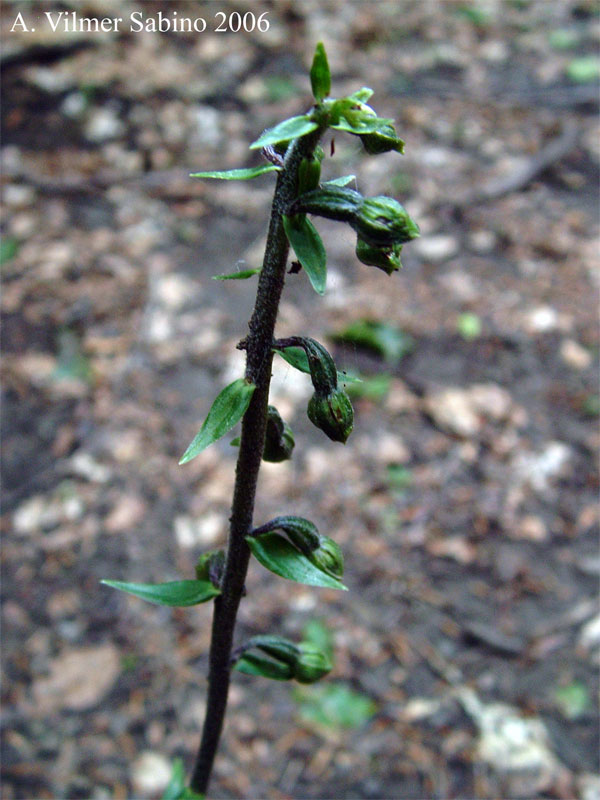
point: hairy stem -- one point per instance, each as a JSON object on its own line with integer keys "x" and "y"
{"x": 259, "y": 356}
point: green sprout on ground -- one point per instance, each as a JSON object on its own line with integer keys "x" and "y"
{"x": 289, "y": 546}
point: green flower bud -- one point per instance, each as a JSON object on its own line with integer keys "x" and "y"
{"x": 259, "y": 664}
{"x": 333, "y": 414}
{"x": 328, "y": 557}
{"x": 279, "y": 439}
{"x": 382, "y": 141}
{"x": 311, "y": 664}
{"x": 301, "y": 532}
{"x": 322, "y": 367}
{"x": 275, "y": 646}
{"x": 210, "y": 567}
{"x": 309, "y": 172}
{"x": 333, "y": 202}
{"x": 385, "y": 258}
{"x": 382, "y": 222}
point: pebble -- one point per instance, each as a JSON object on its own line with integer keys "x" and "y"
{"x": 483, "y": 241}
{"x": 128, "y": 512}
{"x": 538, "y": 469}
{"x": 85, "y": 466}
{"x": 544, "y": 319}
{"x": 206, "y": 531}
{"x": 18, "y": 196}
{"x": 104, "y": 124}
{"x": 462, "y": 411}
{"x": 461, "y": 285}
{"x": 79, "y": 678}
{"x": 532, "y": 528}
{"x": 589, "y": 636}
{"x": 150, "y": 773}
{"x": 437, "y": 248}
{"x": 574, "y": 355}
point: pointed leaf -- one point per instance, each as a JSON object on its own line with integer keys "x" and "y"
{"x": 278, "y": 555}
{"x": 344, "y": 180}
{"x": 359, "y": 124}
{"x": 309, "y": 249}
{"x": 237, "y": 276}
{"x": 361, "y": 95}
{"x": 175, "y": 788}
{"x": 259, "y": 664}
{"x": 243, "y": 174}
{"x": 291, "y": 128}
{"x": 320, "y": 77}
{"x": 228, "y": 408}
{"x": 174, "y": 593}
{"x": 297, "y": 358}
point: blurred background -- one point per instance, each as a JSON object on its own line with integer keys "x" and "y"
{"x": 466, "y": 651}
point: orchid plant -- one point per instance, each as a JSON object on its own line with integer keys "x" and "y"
{"x": 289, "y": 546}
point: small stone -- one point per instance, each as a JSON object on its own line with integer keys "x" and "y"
{"x": 205, "y": 531}
{"x": 454, "y": 547}
{"x": 104, "y": 124}
{"x": 79, "y": 678}
{"x": 150, "y": 773}
{"x": 84, "y": 466}
{"x": 589, "y": 636}
{"x": 588, "y": 786}
{"x": 129, "y": 511}
{"x": 532, "y": 528}
{"x": 461, "y": 284}
{"x": 205, "y": 127}
{"x": 538, "y": 469}
{"x": 453, "y": 410}
{"x": 483, "y": 241}
{"x": 175, "y": 290}
{"x": 436, "y": 248}
{"x": 74, "y": 105}
{"x": 35, "y": 514}
{"x": 420, "y": 708}
{"x": 18, "y": 196}
{"x": 574, "y": 355}
{"x": 491, "y": 400}
{"x": 542, "y": 319}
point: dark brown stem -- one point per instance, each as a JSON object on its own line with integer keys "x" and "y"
{"x": 259, "y": 355}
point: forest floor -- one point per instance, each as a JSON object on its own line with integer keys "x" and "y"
{"x": 467, "y": 649}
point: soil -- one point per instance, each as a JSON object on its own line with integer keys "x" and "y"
{"x": 465, "y": 500}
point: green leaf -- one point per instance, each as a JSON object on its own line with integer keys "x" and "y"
{"x": 291, "y": 128}
{"x": 384, "y": 339}
{"x": 344, "y": 180}
{"x": 358, "y": 124}
{"x": 260, "y": 664}
{"x": 243, "y": 174}
{"x": 8, "y": 248}
{"x": 573, "y": 700}
{"x": 316, "y": 632}
{"x": 469, "y": 326}
{"x": 237, "y": 276}
{"x": 228, "y": 408}
{"x": 361, "y": 95}
{"x": 71, "y": 363}
{"x": 296, "y": 357}
{"x": 309, "y": 249}
{"x": 176, "y": 788}
{"x": 278, "y": 555}
{"x": 584, "y": 70}
{"x": 334, "y": 706}
{"x": 174, "y": 593}
{"x": 320, "y": 77}
{"x": 374, "y": 388}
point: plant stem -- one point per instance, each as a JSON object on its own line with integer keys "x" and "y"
{"x": 259, "y": 355}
